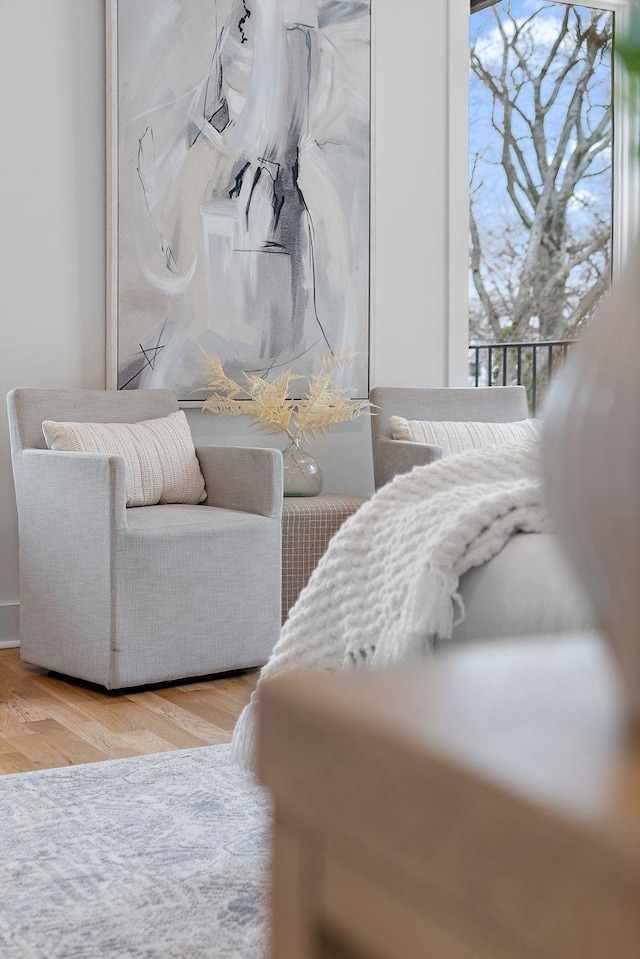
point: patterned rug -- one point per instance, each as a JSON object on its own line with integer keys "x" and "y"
{"x": 147, "y": 858}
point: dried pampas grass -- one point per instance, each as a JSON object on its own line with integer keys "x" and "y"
{"x": 265, "y": 401}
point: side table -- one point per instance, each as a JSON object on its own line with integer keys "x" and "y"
{"x": 308, "y": 523}
{"x": 483, "y": 806}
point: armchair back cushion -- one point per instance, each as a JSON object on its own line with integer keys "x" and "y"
{"x": 160, "y": 459}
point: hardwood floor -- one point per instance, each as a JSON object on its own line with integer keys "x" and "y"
{"x": 47, "y": 720}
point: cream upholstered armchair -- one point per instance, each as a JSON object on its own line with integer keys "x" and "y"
{"x": 127, "y": 596}
{"x": 498, "y": 404}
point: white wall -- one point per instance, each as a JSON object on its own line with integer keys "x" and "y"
{"x": 52, "y": 250}
{"x": 52, "y": 219}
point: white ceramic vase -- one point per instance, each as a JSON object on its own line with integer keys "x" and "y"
{"x": 591, "y": 457}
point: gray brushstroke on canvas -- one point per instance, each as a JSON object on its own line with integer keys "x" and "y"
{"x": 248, "y": 234}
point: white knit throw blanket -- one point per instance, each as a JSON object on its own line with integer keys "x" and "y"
{"x": 385, "y": 592}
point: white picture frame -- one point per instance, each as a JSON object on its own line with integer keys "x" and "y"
{"x": 195, "y": 248}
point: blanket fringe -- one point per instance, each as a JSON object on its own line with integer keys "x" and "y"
{"x": 244, "y": 745}
{"x": 435, "y": 603}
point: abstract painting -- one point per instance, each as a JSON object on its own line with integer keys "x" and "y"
{"x": 239, "y": 177}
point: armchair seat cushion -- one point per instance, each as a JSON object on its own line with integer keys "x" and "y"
{"x": 148, "y": 518}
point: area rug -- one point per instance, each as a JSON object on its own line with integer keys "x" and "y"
{"x": 153, "y": 857}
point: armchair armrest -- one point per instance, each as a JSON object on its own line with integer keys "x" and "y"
{"x": 243, "y": 478}
{"x": 400, "y": 456}
{"x": 71, "y": 507}
{"x": 86, "y": 489}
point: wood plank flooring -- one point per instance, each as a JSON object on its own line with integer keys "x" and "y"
{"x": 47, "y": 720}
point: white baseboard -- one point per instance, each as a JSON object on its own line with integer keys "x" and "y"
{"x": 9, "y": 625}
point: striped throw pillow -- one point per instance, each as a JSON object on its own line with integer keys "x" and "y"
{"x": 159, "y": 455}
{"x": 458, "y": 437}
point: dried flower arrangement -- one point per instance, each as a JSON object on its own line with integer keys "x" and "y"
{"x": 322, "y": 406}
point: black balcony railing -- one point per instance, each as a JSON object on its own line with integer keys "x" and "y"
{"x": 531, "y": 365}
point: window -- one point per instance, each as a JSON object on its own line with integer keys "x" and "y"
{"x": 540, "y": 149}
